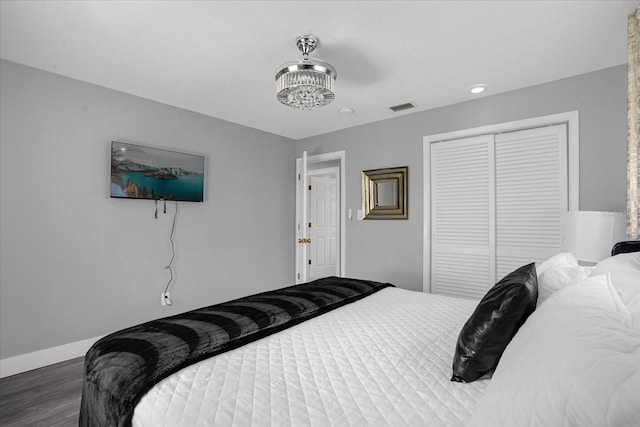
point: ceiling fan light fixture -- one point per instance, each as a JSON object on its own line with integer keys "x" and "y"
{"x": 308, "y": 83}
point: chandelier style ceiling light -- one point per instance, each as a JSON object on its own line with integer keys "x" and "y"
{"x": 306, "y": 84}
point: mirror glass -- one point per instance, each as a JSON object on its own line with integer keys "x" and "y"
{"x": 384, "y": 193}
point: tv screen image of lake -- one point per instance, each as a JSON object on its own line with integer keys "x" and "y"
{"x": 183, "y": 188}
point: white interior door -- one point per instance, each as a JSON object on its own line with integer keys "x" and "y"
{"x": 531, "y": 195}
{"x": 323, "y": 223}
{"x": 462, "y": 215}
{"x": 320, "y": 234}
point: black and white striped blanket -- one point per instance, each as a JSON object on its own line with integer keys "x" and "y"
{"x": 121, "y": 367}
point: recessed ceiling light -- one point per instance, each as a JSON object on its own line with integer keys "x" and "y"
{"x": 346, "y": 110}
{"x": 475, "y": 89}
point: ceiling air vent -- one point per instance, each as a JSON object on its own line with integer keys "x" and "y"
{"x": 400, "y": 107}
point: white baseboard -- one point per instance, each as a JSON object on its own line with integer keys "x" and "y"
{"x": 48, "y": 356}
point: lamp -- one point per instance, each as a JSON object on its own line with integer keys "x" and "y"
{"x": 590, "y": 235}
{"x": 306, "y": 84}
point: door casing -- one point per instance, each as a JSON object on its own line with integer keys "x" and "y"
{"x": 301, "y": 231}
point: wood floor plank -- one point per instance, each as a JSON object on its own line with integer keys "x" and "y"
{"x": 47, "y": 396}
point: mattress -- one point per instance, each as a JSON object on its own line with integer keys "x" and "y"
{"x": 384, "y": 360}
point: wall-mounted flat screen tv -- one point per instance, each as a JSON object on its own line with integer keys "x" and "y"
{"x": 139, "y": 172}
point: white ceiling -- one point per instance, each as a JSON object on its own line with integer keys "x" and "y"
{"x": 219, "y": 57}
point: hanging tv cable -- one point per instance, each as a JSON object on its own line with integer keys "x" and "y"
{"x": 173, "y": 253}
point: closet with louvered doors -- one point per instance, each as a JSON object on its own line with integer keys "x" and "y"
{"x": 498, "y": 201}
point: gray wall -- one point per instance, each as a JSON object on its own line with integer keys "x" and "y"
{"x": 392, "y": 250}
{"x": 75, "y": 263}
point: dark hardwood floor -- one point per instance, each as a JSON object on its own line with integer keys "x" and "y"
{"x": 48, "y": 396}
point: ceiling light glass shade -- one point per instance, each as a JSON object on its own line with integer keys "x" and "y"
{"x": 308, "y": 83}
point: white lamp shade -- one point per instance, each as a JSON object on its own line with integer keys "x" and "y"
{"x": 590, "y": 235}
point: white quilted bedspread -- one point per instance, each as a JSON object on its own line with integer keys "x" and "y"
{"x": 382, "y": 361}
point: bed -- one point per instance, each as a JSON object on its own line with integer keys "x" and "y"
{"x": 350, "y": 352}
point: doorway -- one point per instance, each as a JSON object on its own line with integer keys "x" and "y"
{"x": 320, "y": 214}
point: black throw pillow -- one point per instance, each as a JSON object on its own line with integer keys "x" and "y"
{"x": 494, "y": 322}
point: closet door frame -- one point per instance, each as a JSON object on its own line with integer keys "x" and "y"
{"x": 572, "y": 121}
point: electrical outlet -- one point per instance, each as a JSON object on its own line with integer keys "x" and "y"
{"x": 165, "y": 296}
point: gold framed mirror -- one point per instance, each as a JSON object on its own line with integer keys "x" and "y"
{"x": 384, "y": 193}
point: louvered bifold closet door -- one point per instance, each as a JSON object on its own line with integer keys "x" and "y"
{"x": 531, "y": 195}
{"x": 462, "y": 243}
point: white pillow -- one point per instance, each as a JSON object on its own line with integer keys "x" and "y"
{"x": 573, "y": 363}
{"x": 599, "y": 293}
{"x": 558, "y": 272}
{"x": 624, "y": 270}
{"x": 558, "y": 260}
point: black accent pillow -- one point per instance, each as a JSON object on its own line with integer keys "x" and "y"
{"x": 494, "y": 322}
